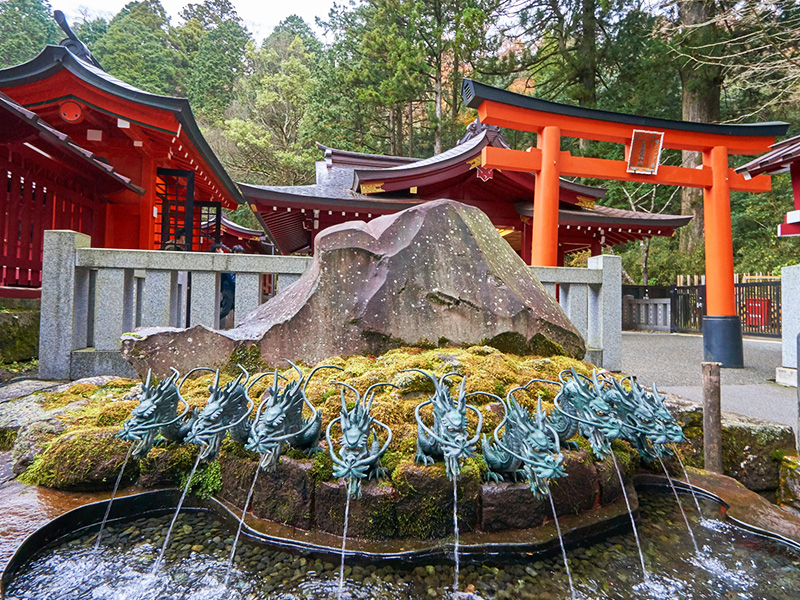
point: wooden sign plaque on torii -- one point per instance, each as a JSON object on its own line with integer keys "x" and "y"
{"x": 722, "y": 334}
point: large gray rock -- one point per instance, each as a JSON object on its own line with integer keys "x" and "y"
{"x": 434, "y": 274}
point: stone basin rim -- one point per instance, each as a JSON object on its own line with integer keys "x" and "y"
{"x": 154, "y": 503}
{"x": 647, "y": 481}
{"x": 161, "y": 502}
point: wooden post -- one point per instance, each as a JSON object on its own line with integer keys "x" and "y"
{"x": 712, "y": 418}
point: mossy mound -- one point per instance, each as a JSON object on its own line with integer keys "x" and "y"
{"x": 91, "y": 411}
{"x": 82, "y": 459}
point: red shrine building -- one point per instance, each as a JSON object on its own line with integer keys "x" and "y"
{"x": 351, "y": 185}
{"x": 783, "y": 156}
{"x": 82, "y": 150}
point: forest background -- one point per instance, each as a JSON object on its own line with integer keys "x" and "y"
{"x": 384, "y": 77}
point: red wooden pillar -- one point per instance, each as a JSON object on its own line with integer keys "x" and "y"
{"x": 544, "y": 246}
{"x": 525, "y": 250}
{"x": 722, "y": 328}
{"x": 794, "y": 169}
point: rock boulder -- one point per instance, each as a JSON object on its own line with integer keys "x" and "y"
{"x": 435, "y": 274}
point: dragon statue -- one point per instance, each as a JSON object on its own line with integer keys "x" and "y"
{"x": 648, "y": 425}
{"x": 156, "y": 413}
{"x": 358, "y": 458}
{"x": 279, "y": 419}
{"x": 582, "y": 400}
{"x": 529, "y": 447}
{"x": 448, "y": 439}
{"x": 225, "y": 411}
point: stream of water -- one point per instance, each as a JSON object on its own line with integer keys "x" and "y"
{"x": 561, "y": 541}
{"x": 241, "y": 523}
{"x": 340, "y": 593}
{"x": 630, "y": 513}
{"x": 686, "y": 475}
{"x": 111, "y": 500}
{"x": 680, "y": 505}
{"x": 160, "y": 558}
{"x": 456, "y": 565}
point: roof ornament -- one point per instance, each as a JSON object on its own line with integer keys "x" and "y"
{"x": 72, "y": 43}
{"x": 475, "y": 128}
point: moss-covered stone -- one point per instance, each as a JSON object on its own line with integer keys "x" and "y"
{"x": 19, "y": 335}
{"x": 752, "y": 449}
{"x": 7, "y": 439}
{"x": 81, "y": 460}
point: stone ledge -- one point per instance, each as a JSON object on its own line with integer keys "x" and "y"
{"x": 786, "y": 376}
{"x": 91, "y": 362}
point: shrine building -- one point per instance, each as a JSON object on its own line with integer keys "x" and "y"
{"x": 352, "y": 185}
{"x": 85, "y": 151}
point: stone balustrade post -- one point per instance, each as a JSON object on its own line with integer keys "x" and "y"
{"x": 574, "y": 299}
{"x": 605, "y": 311}
{"x": 248, "y": 294}
{"x": 61, "y": 325}
{"x": 205, "y": 299}
{"x": 786, "y": 374}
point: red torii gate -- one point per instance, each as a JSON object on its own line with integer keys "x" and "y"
{"x": 722, "y": 333}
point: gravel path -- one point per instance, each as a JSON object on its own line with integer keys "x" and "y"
{"x": 673, "y": 360}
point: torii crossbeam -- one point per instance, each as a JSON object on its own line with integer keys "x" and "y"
{"x": 722, "y": 331}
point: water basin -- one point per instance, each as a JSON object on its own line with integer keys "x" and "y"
{"x": 732, "y": 563}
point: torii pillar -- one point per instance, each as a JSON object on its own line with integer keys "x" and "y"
{"x": 722, "y": 330}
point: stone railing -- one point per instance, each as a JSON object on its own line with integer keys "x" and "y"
{"x": 91, "y": 296}
{"x": 592, "y": 299}
{"x": 786, "y": 374}
{"x": 648, "y": 314}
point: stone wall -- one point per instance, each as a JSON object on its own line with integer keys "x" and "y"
{"x": 752, "y": 449}
{"x": 19, "y": 330}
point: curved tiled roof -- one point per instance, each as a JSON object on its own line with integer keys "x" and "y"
{"x": 63, "y": 142}
{"x": 54, "y": 58}
{"x": 777, "y": 160}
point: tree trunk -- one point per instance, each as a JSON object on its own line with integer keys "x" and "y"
{"x": 392, "y": 138}
{"x": 587, "y": 66}
{"x": 645, "y": 246}
{"x": 398, "y": 125}
{"x": 701, "y": 87}
{"x": 410, "y": 121}
{"x": 437, "y": 139}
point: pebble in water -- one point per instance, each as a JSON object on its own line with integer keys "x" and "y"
{"x": 194, "y": 567}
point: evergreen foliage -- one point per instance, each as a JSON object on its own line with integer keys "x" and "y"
{"x": 384, "y": 76}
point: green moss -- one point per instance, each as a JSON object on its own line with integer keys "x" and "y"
{"x": 322, "y": 467}
{"x": 7, "y": 439}
{"x": 247, "y": 355}
{"x": 474, "y": 468}
{"x": 296, "y": 454}
{"x": 781, "y": 453}
{"x": 80, "y": 460}
{"x": 206, "y": 481}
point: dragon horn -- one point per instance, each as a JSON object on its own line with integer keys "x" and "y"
{"x": 462, "y": 399}
{"x": 296, "y": 368}
{"x": 244, "y": 372}
{"x": 147, "y": 383}
{"x": 238, "y": 379}
{"x": 216, "y": 379}
{"x": 539, "y": 409}
{"x": 319, "y": 368}
{"x": 372, "y": 395}
{"x": 428, "y": 375}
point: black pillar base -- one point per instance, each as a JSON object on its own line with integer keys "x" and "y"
{"x": 722, "y": 341}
